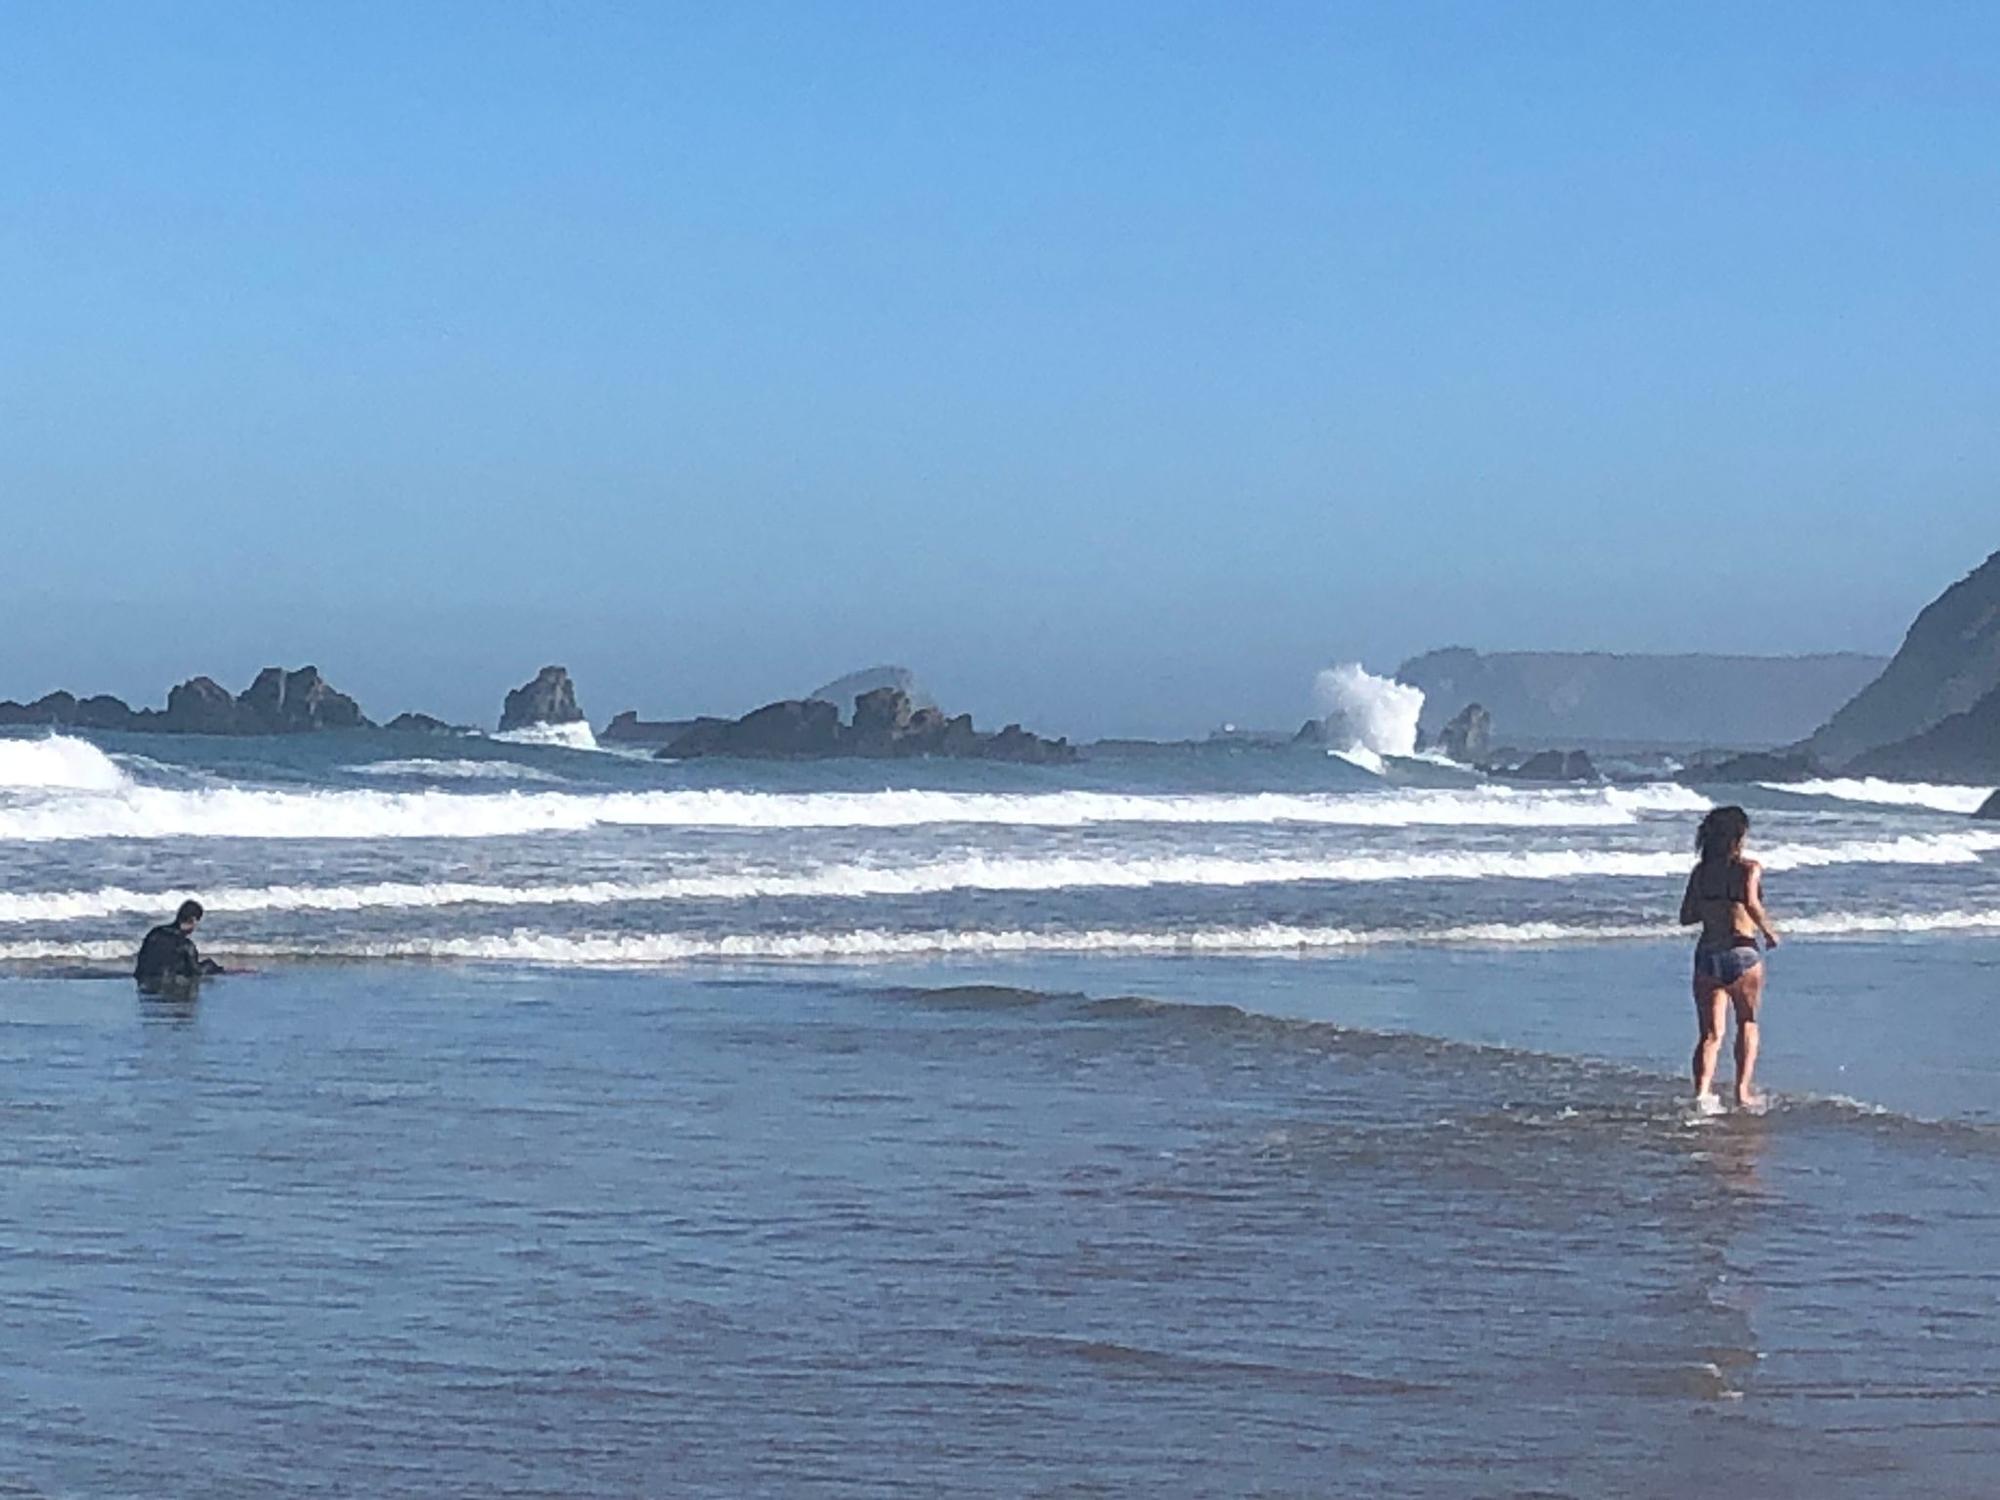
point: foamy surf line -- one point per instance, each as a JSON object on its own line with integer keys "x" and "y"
{"x": 646, "y": 950}
{"x": 140, "y": 812}
{"x": 453, "y": 770}
{"x": 1873, "y": 789}
{"x": 1046, "y": 873}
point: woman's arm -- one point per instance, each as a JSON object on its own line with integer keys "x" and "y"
{"x": 1690, "y": 913}
{"x": 1753, "y": 901}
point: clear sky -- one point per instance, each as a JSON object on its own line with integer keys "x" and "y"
{"x": 1114, "y": 365}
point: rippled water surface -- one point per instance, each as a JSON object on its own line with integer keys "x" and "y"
{"x": 1216, "y": 1129}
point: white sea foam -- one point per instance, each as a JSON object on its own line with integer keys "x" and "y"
{"x": 1366, "y": 712}
{"x": 137, "y": 811}
{"x": 1361, "y": 757}
{"x": 1954, "y": 799}
{"x": 1027, "y": 873}
{"x": 57, "y": 762}
{"x": 524, "y": 945}
{"x": 455, "y": 770}
{"x": 575, "y": 736}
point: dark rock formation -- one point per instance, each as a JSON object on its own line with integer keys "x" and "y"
{"x": 102, "y": 711}
{"x": 843, "y": 691}
{"x": 1990, "y": 808}
{"x": 301, "y": 702}
{"x": 629, "y": 729}
{"x": 51, "y": 708}
{"x": 1015, "y": 743}
{"x": 1964, "y": 747}
{"x": 1949, "y": 661}
{"x": 886, "y": 725}
{"x": 549, "y": 699}
{"x": 278, "y": 702}
{"x": 1573, "y": 696}
{"x": 1556, "y": 765}
{"x": 789, "y": 728}
{"x": 1312, "y": 732}
{"x": 1755, "y": 765}
{"x": 423, "y": 724}
{"x": 1468, "y": 736}
{"x": 201, "y": 705}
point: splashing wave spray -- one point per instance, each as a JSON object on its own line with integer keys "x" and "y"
{"x": 1368, "y": 717}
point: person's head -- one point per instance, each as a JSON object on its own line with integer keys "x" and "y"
{"x": 1722, "y": 833}
{"x": 188, "y": 916}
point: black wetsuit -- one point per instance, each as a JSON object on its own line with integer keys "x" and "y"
{"x": 168, "y": 957}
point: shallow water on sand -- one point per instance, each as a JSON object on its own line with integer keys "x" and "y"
{"x": 434, "y": 1230}
{"x": 1190, "y": 1124}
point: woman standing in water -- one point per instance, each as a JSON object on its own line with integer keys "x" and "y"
{"x": 1725, "y": 894}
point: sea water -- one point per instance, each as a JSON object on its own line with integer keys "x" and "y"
{"x": 1228, "y": 1123}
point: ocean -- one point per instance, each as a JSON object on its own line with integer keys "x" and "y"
{"x": 1220, "y": 1122}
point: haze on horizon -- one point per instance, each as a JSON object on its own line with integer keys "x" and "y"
{"x": 1115, "y": 367}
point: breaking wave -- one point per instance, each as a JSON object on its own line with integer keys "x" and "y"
{"x": 1954, "y": 799}
{"x": 525, "y": 946}
{"x": 1367, "y": 717}
{"x": 58, "y": 762}
{"x": 1031, "y": 873}
{"x": 575, "y": 736}
{"x": 139, "y": 812}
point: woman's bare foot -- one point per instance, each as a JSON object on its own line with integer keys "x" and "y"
{"x": 1751, "y": 1100}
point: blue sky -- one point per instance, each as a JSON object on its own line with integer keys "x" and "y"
{"x": 1116, "y": 366}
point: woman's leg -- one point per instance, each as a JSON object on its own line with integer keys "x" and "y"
{"x": 1708, "y": 1011}
{"x": 1746, "y": 995}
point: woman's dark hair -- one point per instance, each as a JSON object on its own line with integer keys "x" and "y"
{"x": 1721, "y": 833}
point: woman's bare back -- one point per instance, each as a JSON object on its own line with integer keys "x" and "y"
{"x": 1722, "y": 900}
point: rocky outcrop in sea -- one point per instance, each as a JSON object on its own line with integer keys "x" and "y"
{"x": 1555, "y": 765}
{"x": 1469, "y": 735}
{"x": 886, "y": 725}
{"x": 1753, "y": 765}
{"x": 277, "y": 702}
{"x": 628, "y": 728}
{"x": 549, "y": 699}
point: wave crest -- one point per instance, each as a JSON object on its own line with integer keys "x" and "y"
{"x": 1022, "y": 874}
{"x": 58, "y": 762}
{"x": 1954, "y": 799}
{"x": 637, "y": 950}
{"x": 140, "y": 812}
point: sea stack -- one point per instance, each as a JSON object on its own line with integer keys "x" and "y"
{"x": 549, "y": 699}
{"x": 1468, "y": 736}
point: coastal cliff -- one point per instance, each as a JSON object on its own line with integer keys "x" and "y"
{"x": 1949, "y": 661}
{"x": 1963, "y": 747}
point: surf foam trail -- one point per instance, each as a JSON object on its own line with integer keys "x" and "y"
{"x": 575, "y": 736}
{"x": 1000, "y": 874}
{"x": 621, "y": 949}
{"x": 140, "y": 812}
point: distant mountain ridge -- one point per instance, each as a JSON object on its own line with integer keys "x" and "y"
{"x": 1691, "y": 699}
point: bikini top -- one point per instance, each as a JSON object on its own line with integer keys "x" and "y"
{"x": 1735, "y": 884}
